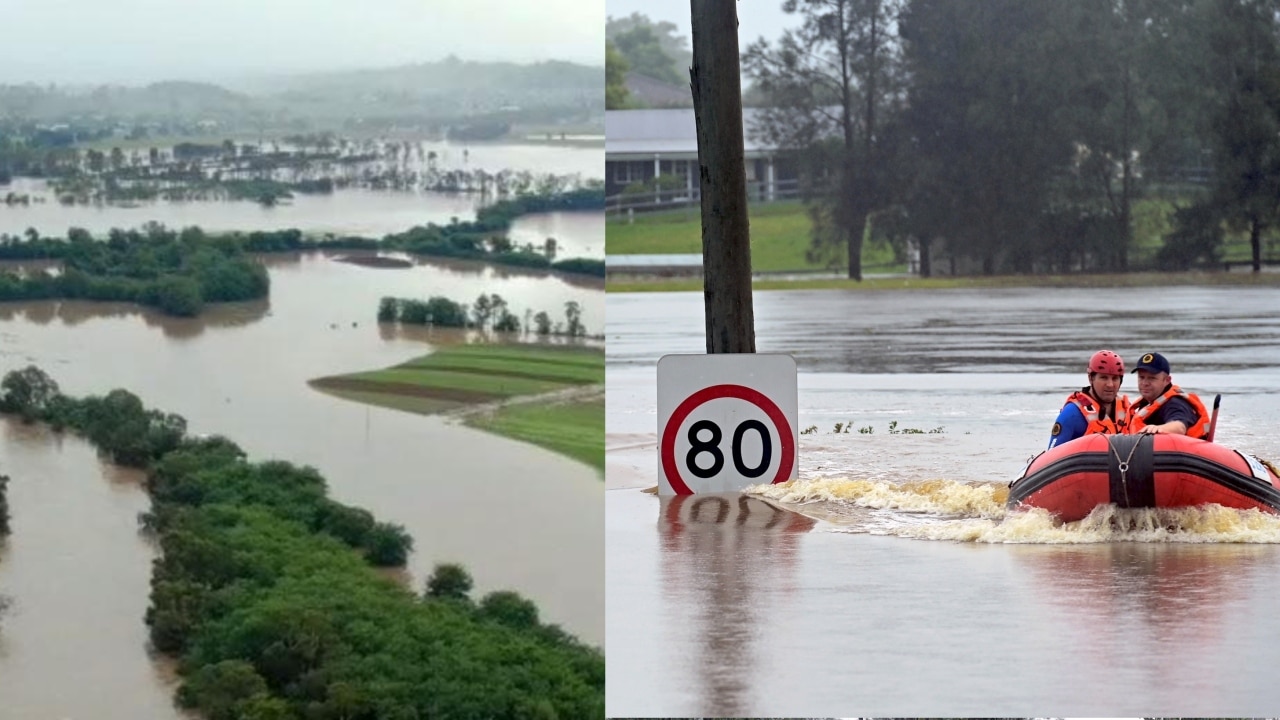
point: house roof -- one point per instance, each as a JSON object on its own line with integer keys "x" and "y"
{"x": 671, "y": 133}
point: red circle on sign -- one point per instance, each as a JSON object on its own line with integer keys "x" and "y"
{"x": 787, "y": 446}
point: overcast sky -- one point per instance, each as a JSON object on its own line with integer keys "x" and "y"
{"x": 756, "y": 18}
{"x": 141, "y": 41}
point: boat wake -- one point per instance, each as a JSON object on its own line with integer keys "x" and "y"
{"x": 975, "y": 512}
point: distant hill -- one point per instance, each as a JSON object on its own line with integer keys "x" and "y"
{"x": 441, "y": 94}
{"x": 448, "y": 75}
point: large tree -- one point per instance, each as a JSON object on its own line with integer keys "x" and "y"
{"x": 675, "y": 47}
{"x": 989, "y": 81}
{"x": 615, "y": 76}
{"x": 1246, "y": 38}
{"x": 830, "y": 81}
{"x": 645, "y": 55}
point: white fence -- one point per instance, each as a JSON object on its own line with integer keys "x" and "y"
{"x": 757, "y": 191}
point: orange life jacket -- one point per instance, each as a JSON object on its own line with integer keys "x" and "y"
{"x": 1142, "y": 410}
{"x": 1088, "y": 404}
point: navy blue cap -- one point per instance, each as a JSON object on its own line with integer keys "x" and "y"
{"x": 1153, "y": 362}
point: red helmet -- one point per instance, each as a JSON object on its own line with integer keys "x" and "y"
{"x": 1106, "y": 362}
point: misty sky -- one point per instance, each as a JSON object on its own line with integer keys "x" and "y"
{"x": 756, "y": 18}
{"x": 141, "y": 41}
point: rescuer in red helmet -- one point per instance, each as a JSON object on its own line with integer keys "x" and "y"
{"x": 1097, "y": 407}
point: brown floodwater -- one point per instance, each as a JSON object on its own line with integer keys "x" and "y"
{"x": 889, "y": 579}
{"x": 77, "y": 573}
{"x": 517, "y": 516}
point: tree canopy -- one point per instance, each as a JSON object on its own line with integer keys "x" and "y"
{"x": 1017, "y": 136}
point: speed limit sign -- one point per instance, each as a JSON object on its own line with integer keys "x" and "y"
{"x": 725, "y": 422}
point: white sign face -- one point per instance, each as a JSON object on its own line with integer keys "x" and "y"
{"x": 726, "y": 422}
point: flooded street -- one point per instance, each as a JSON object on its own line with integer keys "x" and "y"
{"x": 889, "y": 578}
{"x": 517, "y": 516}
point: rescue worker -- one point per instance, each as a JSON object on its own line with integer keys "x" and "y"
{"x": 1165, "y": 407}
{"x": 1097, "y": 407}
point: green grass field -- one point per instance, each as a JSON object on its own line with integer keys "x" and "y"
{"x": 779, "y": 237}
{"x": 572, "y": 429}
{"x": 458, "y": 377}
{"x": 780, "y": 234}
{"x": 495, "y": 384}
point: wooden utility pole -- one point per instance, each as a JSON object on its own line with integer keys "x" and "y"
{"x": 726, "y": 246}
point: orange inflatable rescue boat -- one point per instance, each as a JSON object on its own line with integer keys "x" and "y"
{"x": 1143, "y": 471}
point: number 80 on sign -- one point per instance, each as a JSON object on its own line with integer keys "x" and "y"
{"x": 724, "y": 436}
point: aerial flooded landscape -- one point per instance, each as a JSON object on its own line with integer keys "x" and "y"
{"x": 302, "y": 396}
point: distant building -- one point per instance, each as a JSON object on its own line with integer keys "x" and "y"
{"x": 643, "y": 144}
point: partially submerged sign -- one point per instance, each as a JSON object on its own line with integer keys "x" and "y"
{"x": 726, "y": 421}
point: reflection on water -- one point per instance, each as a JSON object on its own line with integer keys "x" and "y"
{"x": 73, "y": 313}
{"x": 1176, "y": 604}
{"x": 726, "y": 534}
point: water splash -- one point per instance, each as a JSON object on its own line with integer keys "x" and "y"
{"x": 975, "y": 512}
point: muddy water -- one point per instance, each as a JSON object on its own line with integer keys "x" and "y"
{"x": 517, "y": 516}
{"x": 72, "y": 645}
{"x": 891, "y": 580}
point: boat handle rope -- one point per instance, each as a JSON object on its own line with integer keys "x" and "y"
{"x": 1124, "y": 464}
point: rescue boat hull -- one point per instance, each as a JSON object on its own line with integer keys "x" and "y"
{"x": 1143, "y": 471}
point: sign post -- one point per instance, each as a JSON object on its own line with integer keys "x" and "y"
{"x": 722, "y": 176}
{"x": 726, "y": 422}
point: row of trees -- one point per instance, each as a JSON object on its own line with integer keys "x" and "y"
{"x": 1019, "y": 134}
{"x": 176, "y": 272}
{"x": 266, "y": 590}
{"x": 489, "y": 312}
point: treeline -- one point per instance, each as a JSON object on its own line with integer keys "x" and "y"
{"x": 489, "y": 311}
{"x": 175, "y": 272}
{"x": 266, "y": 590}
{"x": 1020, "y": 135}
{"x": 176, "y": 187}
{"x": 484, "y": 239}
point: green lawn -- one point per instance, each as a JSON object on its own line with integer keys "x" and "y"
{"x": 429, "y": 385}
{"x": 780, "y": 234}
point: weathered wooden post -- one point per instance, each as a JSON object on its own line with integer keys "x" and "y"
{"x": 726, "y": 246}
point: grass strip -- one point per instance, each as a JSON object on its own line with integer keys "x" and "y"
{"x": 479, "y": 377}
